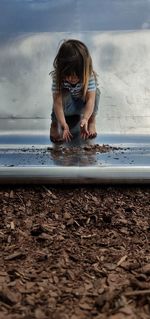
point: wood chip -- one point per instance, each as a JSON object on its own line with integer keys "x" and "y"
{"x": 12, "y": 225}
{"x": 16, "y": 255}
{"x": 138, "y": 292}
{"x": 122, "y": 259}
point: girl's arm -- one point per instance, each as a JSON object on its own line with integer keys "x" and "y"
{"x": 88, "y": 110}
{"x": 89, "y": 107}
{"x": 59, "y": 112}
{"x": 58, "y": 109}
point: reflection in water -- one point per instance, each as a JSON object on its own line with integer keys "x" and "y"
{"x": 74, "y": 157}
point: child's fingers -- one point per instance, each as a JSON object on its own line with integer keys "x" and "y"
{"x": 67, "y": 135}
{"x": 84, "y": 126}
{"x": 84, "y": 135}
{"x": 68, "y": 138}
{"x": 84, "y": 130}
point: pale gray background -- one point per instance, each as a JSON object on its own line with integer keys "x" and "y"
{"x": 117, "y": 33}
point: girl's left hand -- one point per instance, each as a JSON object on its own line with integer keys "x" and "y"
{"x": 84, "y": 128}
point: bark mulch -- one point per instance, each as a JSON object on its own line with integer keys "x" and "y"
{"x": 70, "y": 252}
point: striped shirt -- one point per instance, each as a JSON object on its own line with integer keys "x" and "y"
{"x": 75, "y": 90}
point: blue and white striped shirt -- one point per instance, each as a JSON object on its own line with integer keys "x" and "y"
{"x": 76, "y": 89}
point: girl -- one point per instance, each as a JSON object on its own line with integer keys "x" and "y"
{"x": 74, "y": 91}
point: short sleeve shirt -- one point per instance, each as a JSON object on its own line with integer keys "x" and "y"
{"x": 75, "y": 90}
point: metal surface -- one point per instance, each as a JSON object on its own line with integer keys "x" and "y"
{"x": 117, "y": 34}
{"x": 127, "y": 160}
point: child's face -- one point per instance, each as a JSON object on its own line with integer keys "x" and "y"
{"x": 72, "y": 79}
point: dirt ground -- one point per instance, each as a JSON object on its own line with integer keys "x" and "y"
{"x": 75, "y": 252}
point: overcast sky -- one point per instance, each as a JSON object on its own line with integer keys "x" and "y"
{"x": 73, "y": 15}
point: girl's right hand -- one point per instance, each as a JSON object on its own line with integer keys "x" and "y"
{"x": 67, "y": 134}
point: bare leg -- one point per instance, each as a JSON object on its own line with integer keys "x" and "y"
{"x": 55, "y": 135}
{"x": 92, "y": 126}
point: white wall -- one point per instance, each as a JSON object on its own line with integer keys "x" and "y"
{"x": 122, "y": 60}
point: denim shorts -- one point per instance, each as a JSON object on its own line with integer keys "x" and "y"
{"x": 73, "y": 106}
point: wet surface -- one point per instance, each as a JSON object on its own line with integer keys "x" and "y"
{"x": 93, "y": 155}
{"x": 106, "y": 159}
{"x": 117, "y": 34}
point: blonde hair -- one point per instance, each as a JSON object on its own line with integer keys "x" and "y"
{"x": 73, "y": 58}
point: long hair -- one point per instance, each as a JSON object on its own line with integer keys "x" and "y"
{"x": 73, "y": 58}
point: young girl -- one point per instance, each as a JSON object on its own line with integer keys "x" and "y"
{"x": 74, "y": 91}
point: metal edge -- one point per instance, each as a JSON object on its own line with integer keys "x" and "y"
{"x": 75, "y": 175}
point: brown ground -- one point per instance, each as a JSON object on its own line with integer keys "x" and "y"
{"x": 75, "y": 252}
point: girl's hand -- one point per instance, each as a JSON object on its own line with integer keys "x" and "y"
{"x": 67, "y": 134}
{"x": 84, "y": 129}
